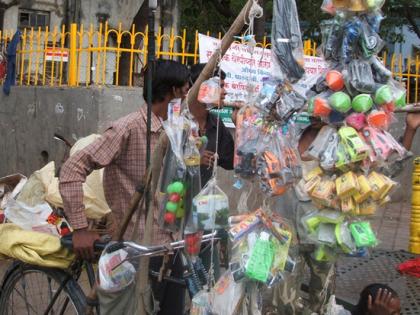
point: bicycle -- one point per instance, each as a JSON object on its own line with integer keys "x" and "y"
{"x": 59, "y": 291}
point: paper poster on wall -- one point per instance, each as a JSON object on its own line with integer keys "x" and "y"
{"x": 241, "y": 67}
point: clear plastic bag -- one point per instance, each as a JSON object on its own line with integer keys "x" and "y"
{"x": 359, "y": 77}
{"x": 328, "y": 7}
{"x": 332, "y": 34}
{"x": 247, "y": 139}
{"x": 117, "y": 270}
{"x": 209, "y": 92}
{"x": 211, "y": 206}
{"x": 277, "y": 163}
{"x": 287, "y": 52}
{"x": 371, "y": 42}
{"x": 268, "y": 95}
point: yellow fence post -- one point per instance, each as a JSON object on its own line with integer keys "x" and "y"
{"x": 73, "y": 55}
{"x": 415, "y": 210}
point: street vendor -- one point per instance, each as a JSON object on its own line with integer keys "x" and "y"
{"x": 293, "y": 206}
{"x": 121, "y": 151}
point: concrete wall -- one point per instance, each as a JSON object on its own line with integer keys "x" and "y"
{"x": 30, "y": 116}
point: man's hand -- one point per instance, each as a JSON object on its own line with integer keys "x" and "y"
{"x": 83, "y": 243}
{"x": 382, "y": 303}
{"x": 413, "y": 120}
{"x": 207, "y": 159}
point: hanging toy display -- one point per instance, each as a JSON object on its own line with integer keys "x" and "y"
{"x": 356, "y": 99}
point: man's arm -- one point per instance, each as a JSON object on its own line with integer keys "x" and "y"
{"x": 72, "y": 176}
{"x": 412, "y": 123}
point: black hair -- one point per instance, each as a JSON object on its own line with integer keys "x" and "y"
{"x": 197, "y": 68}
{"x": 167, "y": 74}
{"x": 372, "y": 290}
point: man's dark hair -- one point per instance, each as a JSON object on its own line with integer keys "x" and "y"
{"x": 372, "y": 290}
{"x": 167, "y": 74}
{"x": 197, "y": 68}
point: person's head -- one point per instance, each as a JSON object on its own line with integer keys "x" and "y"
{"x": 394, "y": 307}
{"x": 195, "y": 73}
{"x": 170, "y": 80}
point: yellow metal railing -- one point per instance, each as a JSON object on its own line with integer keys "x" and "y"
{"x": 85, "y": 56}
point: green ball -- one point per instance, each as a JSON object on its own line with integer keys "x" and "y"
{"x": 362, "y": 103}
{"x": 176, "y": 188}
{"x": 341, "y": 102}
{"x": 171, "y": 207}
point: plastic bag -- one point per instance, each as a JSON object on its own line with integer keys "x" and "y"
{"x": 31, "y": 218}
{"x": 247, "y": 139}
{"x": 287, "y": 52}
{"x": 268, "y": 95}
{"x": 226, "y": 295}
{"x": 371, "y": 42}
{"x": 117, "y": 270}
{"x": 328, "y": 7}
{"x": 211, "y": 206}
{"x": 332, "y": 33}
{"x": 209, "y": 92}
{"x": 359, "y": 77}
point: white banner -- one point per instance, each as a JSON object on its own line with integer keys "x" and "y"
{"x": 242, "y": 68}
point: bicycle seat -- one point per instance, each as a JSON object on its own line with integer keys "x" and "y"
{"x": 67, "y": 242}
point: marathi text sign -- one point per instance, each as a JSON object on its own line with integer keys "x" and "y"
{"x": 242, "y": 67}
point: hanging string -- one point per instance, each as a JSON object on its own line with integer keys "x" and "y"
{"x": 256, "y": 11}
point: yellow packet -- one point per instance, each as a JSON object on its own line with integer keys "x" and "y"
{"x": 311, "y": 184}
{"x": 367, "y": 207}
{"x": 347, "y": 185}
{"x": 390, "y": 185}
{"x": 317, "y": 171}
{"x": 323, "y": 190}
{"x": 378, "y": 185}
{"x": 364, "y": 189}
{"x": 348, "y": 204}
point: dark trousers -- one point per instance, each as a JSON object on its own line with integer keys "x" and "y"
{"x": 171, "y": 296}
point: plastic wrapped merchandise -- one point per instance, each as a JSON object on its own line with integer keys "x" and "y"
{"x": 352, "y": 32}
{"x": 371, "y": 42}
{"x": 172, "y": 182}
{"x": 226, "y": 295}
{"x": 359, "y": 77}
{"x": 209, "y": 92}
{"x": 117, "y": 269}
{"x": 332, "y": 34}
{"x": 268, "y": 95}
{"x": 287, "y": 43}
{"x": 247, "y": 138}
{"x": 328, "y": 7}
{"x": 211, "y": 206}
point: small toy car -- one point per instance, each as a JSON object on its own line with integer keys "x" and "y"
{"x": 343, "y": 158}
{"x": 380, "y": 143}
{"x": 329, "y": 156}
{"x": 353, "y": 144}
{"x": 321, "y": 142}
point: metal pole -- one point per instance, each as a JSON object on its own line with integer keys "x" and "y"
{"x": 150, "y": 65}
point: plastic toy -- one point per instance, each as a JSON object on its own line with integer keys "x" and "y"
{"x": 261, "y": 259}
{"x": 174, "y": 205}
{"x": 209, "y": 92}
{"x": 340, "y": 102}
{"x": 383, "y": 95}
{"x": 329, "y": 157}
{"x": 356, "y": 120}
{"x": 321, "y": 108}
{"x": 363, "y": 235}
{"x": 378, "y": 119}
{"x": 362, "y": 103}
{"x": 335, "y": 80}
{"x": 354, "y": 145}
{"x": 325, "y": 136}
{"x": 347, "y": 185}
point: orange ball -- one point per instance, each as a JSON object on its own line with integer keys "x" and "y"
{"x": 335, "y": 80}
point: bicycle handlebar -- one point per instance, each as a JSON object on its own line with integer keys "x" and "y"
{"x": 67, "y": 242}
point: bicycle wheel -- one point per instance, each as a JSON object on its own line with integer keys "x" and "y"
{"x": 32, "y": 290}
